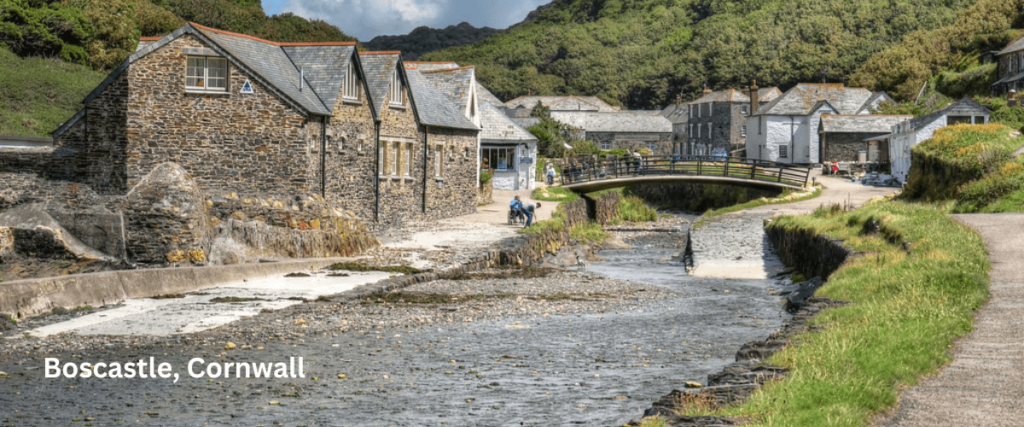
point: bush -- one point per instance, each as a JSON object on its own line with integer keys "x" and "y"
{"x": 978, "y": 195}
{"x": 485, "y": 177}
{"x": 634, "y": 209}
{"x": 976, "y": 80}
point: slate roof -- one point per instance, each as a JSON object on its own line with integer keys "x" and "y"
{"x": 432, "y": 107}
{"x": 455, "y": 83}
{"x": 548, "y": 101}
{"x": 732, "y": 95}
{"x": 676, "y": 115}
{"x": 860, "y": 123}
{"x": 626, "y": 121}
{"x": 379, "y": 67}
{"x": 1013, "y": 47}
{"x": 805, "y": 97}
{"x": 426, "y": 66}
{"x": 496, "y": 126}
{"x": 485, "y": 96}
{"x": 963, "y": 104}
{"x": 323, "y": 67}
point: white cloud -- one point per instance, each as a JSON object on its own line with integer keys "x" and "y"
{"x": 368, "y": 18}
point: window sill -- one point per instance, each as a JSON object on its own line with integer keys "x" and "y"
{"x": 349, "y": 101}
{"x": 396, "y": 107}
{"x": 207, "y": 92}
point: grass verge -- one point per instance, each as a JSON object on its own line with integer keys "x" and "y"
{"x": 555, "y": 194}
{"x": 755, "y": 203}
{"x": 906, "y": 308}
{"x": 591, "y": 232}
{"x": 37, "y": 94}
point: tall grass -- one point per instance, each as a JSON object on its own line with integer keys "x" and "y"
{"x": 555, "y": 194}
{"x": 37, "y": 94}
{"x": 906, "y": 308}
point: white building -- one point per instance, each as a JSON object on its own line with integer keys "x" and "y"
{"x": 786, "y": 129}
{"x": 507, "y": 149}
{"x": 909, "y": 133}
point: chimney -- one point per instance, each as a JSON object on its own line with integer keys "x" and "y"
{"x": 754, "y": 97}
{"x": 679, "y": 100}
{"x": 707, "y": 91}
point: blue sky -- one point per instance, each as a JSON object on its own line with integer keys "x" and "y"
{"x": 368, "y": 18}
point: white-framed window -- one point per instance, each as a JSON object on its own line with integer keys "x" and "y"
{"x": 783, "y": 151}
{"x": 744, "y": 109}
{"x": 382, "y": 167}
{"x": 700, "y": 109}
{"x": 206, "y": 73}
{"x": 499, "y": 158}
{"x": 691, "y": 131}
{"x": 408, "y": 161}
{"x": 691, "y": 111}
{"x": 743, "y": 131}
{"x": 709, "y": 130}
{"x": 606, "y": 146}
{"x": 396, "y": 97}
{"x": 350, "y": 90}
{"x": 698, "y": 131}
{"x": 439, "y": 161}
{"x": 653, "y": 147}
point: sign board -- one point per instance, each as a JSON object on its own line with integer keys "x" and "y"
{"x": 525, "y": 160}
{"x": 247, "y": 87}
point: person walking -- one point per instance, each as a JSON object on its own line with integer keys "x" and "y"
{"x": 530, "y": 209}
{"x": 551, "y": 175}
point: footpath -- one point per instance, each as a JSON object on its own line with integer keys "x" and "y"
{"x": 982, "y": 386}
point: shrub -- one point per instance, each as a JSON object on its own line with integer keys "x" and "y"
{"x": 485, "y": 177}
{"x": 633, "y": 209}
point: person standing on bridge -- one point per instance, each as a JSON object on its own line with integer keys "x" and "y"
{"x": 636, "y": 162}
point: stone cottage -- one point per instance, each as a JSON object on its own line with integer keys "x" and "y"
{"x": 717, "y": 121}
{"x": 678, "y": 114}
{"x": 561, "y": 103}
{"x": 786, "y": 129}
{"x": 844, "y": 137}
{"x": 627, "y": 129}
{"x": 910, "y": 132}
{"x": 280, "y": 137}
{"x": 1010, "y": 71}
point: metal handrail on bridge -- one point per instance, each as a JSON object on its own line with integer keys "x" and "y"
{"x": 762, "y": 171}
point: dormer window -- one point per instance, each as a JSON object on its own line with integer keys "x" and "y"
{"x": 396, "y": 97}
{"x": 207, "y": 74}
{"x": 350, "y": 91}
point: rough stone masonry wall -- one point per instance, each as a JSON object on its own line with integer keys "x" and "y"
{"x": 103, "y": 162}
{"x": 349, "y": 162}
{"x": 813, "y": 255}
{"x": 635, "y": 140}
{"x": 401, "y": 195}
{"x": 244, "y": 143}
{"x": 698, "y": 197}
{"x": 454, "y": 194}
{"x": 843, "y": 147}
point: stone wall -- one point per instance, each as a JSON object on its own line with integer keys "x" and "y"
{"x": 603, "y": 208}
{"x": 103, "y": 164}
{"x": 350, "y": 155}
{"x": 635, "y": 140}
{"x": 235, "y": 142}
{"x": 532, "y": 247}
{"x": 454, "y": 192}
{"x": 485, "y": 194}
{"x": 698, "y": 197}
{"x": 843, "y": 147}
{"x": 25, "y": 160}
{"x": 811, "y": 254}
{"x": 401, "y": 193}
{"x": 166, "y": 219}
{"x": 6, "y": 242}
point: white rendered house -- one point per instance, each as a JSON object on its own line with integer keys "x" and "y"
{"x": 911, "y": 132}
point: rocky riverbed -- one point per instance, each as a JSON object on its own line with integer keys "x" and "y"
{"x": 496, "y": 347}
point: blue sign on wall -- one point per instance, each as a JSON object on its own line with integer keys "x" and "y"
{"x": 525, "y": 160}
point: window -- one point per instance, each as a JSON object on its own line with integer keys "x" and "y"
{"x": 698, "y": 131}
{"x": 439, "y": 161}
{"x": 744, "y": 109}
{"x": 709, "y": 130}
{"x": 606, "y": 146}
{"x": 691, "y": 111}
{"x": 700, "y": 109}
{"x": 691, "y": 130}
{"x": 743, "y": 130}
{"x": 396, "y": 96}
{"x": 501, "y": 159}
{"x": 653, "y": 147}
{"x": 350, "y": 91}
{"x": 783, "y": 151}
{"x": 382, "y": 166}
{"x": 408, "y": 160}
{"x": 207, "y": 73}
{"x": 394, "y": 158}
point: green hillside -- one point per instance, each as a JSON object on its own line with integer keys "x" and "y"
{"x": 37, "y": 93}
{"x": 640, "y": 53}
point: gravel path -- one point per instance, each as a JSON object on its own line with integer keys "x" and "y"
{"x": 982, "y": 386}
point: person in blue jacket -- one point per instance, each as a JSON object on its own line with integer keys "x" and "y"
{"x": 516, "y": 205}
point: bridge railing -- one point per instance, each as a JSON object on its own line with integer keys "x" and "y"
{"x": 731, "y": 167}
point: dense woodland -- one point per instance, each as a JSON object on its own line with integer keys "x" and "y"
{"x": 425, "y": 39}
{"x": 636, "y": 53}
{"x": 640, "y": 53}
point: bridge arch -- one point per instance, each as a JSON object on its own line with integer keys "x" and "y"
{"x": 587, "y": 176}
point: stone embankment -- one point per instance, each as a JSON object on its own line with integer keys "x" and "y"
{"x": 811, "y": 255}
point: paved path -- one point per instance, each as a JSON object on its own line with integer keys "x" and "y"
{"x": 984, "y": 386}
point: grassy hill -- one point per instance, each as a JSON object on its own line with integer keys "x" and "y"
{"x": 424, "y": 39}
{"x": 37, "y": 94}
{"x": 640, "y": 53}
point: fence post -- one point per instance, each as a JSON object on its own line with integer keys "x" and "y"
{"x": 807, "y": 176}
{"x": 699, "y": 161}
{"x": 780, "y": 172}
{"x": 726, "y": 167}
{"x": 753, "y": 169}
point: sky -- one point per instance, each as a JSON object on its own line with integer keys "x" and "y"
{"x": 366, "y": 19}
